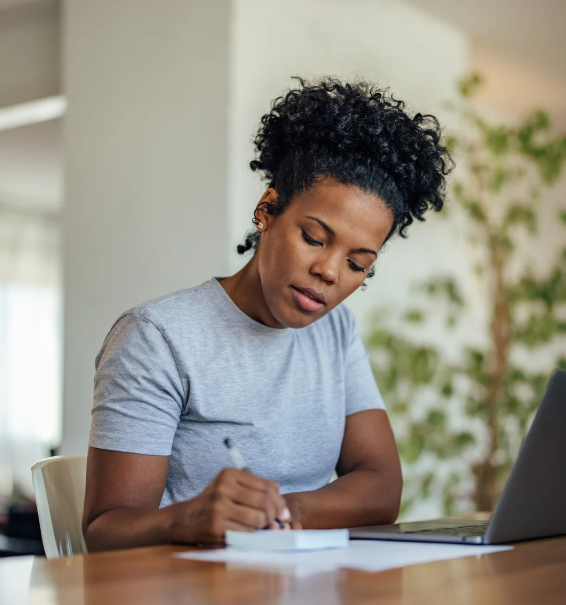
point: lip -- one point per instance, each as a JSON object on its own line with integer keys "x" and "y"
{"x": 318, "y": 296}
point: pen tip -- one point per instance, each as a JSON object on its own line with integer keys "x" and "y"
{"x": 227, "y": 442}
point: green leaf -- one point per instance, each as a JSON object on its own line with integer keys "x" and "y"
{"x": 436, "y": 418}
{"x": 414, "y": 316}
{"x": 497, "y": 139}
{"x": 450, "y": 142}
{"x": 518, "y": 214}
{"x": 398, "y": 409}
{"x": 464, "y": 440}
{"x": 444, "y": 287}
{"x": 412, "y": 449}
{"x": 449, "y": 502}
{"x": 470, "y": 84}
{"x": 425, "y": 485}
{"x": 500, "y": 177}
{"x": 474, "y": 210}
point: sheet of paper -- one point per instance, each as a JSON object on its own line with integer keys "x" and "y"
{"x": 366, "y": 555}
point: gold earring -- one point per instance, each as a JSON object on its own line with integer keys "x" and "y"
{"x": 260, "y": 226}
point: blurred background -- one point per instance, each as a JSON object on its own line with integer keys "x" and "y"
{"x": 125, "y": 139}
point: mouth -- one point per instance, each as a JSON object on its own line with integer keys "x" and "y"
{"x": 314, "y": 294}
{"x": 309, "y": 299}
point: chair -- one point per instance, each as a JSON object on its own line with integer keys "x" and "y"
{"x": 59, "y": 485}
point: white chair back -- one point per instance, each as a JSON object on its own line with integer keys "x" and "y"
{"x": 59, "y": 485}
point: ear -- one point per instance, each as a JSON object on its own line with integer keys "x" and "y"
{"x": 261, "y": 213}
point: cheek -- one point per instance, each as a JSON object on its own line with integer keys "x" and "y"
{"x": 285, "y": 253}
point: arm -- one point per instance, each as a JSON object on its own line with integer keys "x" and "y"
{"x": 123, "y": 493}
{"x": 368, "y": 490}
{"x": 139, "y": 396}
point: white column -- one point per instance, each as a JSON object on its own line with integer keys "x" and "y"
{"x": 146, "y": 168}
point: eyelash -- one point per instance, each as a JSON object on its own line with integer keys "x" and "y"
{"x": 313, "y": 242}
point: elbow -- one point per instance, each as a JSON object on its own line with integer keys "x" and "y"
{"x": 87, "y": 535}
{"x": 397, "y": 494}
{"x": 392, "y": 511}
{"x": 392, "y": 506}
{"x": 89, "y": 529}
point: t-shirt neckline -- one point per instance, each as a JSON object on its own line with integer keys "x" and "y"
{"x": 238, "y": 314}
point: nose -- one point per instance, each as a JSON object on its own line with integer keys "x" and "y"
{"x": 326, "y": 268}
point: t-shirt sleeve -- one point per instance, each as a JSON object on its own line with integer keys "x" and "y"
{"x": 138, "y": 392}
{"x": 362, "y": 392}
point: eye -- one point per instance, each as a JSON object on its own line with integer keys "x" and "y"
{"x": 356, "y": 267}
{"x": 309, "y": 239}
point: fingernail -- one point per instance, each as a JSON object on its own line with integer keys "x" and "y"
{"x": 286, "y": 515}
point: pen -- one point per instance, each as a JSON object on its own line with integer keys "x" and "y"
{"x": 241, "y": 464}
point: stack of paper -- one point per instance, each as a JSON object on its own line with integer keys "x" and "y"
{"x": 304, "y": 539}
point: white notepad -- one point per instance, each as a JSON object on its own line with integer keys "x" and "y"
{"x": 290, "y": 539}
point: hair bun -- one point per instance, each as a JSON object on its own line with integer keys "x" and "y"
{"x": 358, "y": 134}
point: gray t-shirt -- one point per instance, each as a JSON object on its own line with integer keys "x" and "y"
{"x": 177, "y": 375}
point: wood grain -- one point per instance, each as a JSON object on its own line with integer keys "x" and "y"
{"x": 531, "y": 573}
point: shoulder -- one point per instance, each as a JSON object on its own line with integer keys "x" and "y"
{"x": 170, "y": 304}
{"x": 171, "y": 307}
{"x": 166, "y": 313}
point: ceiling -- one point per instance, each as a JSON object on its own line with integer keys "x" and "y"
{"x": 519, "y": 46}
{"x": 528, "y": 31}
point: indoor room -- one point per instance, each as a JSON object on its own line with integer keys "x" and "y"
{"x": 282, "y": 301}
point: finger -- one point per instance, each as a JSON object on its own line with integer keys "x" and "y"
{"x": 274, "y": 506}
{"x": 253, "y": 518}
{"x": 219, "y": 532}
{"x": 236, "y": 526}
{"x": 284, "y": 513}
{"x": 275, "y": 525}
{"x": 263, "y": 501}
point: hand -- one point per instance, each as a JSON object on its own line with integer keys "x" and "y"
{"x": 294, "y": 505}
{"x": 234, "y": 499}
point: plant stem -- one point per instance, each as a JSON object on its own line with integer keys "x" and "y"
{"x": 486, "y": 472}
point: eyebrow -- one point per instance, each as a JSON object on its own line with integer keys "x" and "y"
{"x": 333, "y": 233}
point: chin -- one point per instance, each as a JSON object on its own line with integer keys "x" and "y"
{"x": 297, "y": 319}
{"x": 297, "y": 325}
{"x": 289, "y": 316}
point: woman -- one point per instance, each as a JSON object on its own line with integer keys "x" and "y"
{"x": 268, "y": 357}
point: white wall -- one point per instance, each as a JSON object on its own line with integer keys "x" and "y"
{"x": 29, "y": 51}
{"x": 145, "y": 149}
{"x": 386, "y": 41}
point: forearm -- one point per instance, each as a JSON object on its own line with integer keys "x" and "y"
{"x": 358, "y": 498}
{"x": 129, "y": 528}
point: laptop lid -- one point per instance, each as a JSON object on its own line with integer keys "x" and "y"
{"x": 533, "y": 502}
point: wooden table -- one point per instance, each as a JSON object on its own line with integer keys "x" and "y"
{"x": 532, "y": 573}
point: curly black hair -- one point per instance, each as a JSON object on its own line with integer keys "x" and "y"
{"x": 355, "y": 134}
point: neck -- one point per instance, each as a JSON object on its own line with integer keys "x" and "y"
{"x": 244, "y": 288}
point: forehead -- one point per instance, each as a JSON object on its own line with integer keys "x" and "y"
{"x": 347, "y": 209}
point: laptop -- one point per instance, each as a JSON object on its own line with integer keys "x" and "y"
{"x": 533, "y": 502}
